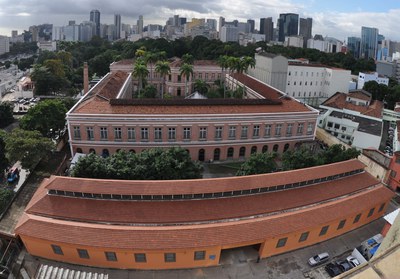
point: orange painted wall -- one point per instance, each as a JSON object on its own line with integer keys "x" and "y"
{"x": 185, "y": 257}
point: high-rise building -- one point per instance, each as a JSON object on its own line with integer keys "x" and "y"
{"x": 14, "y": 33}
{"x": 353, "y": 45}
{"x": 267, "y": 28}
{"x": 118, "y": 26}
{"x": 369, "y": 42}
{"x": 288, "y": 25}
{"x": 212, "y": 23}
{"x": 229, "y": 33}
{"x": 140, "y": 24}
{"x": 4, "y": 45}
{"x": 252, "y": 25}
{"x": 221, "y": 23}
{"x": 306, "y": 29}
{"x": 86, "y": 31}
{"x": 95, "y": 17}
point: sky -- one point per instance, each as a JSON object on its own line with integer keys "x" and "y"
{"x": 339, "y": 19}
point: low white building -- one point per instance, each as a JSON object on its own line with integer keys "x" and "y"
{"x": 294, "y": 41}
{"x": 374, "y": 76}
{"x": 353, "y": 118}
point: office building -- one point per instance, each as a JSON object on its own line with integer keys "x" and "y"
{"x": 305, "y": 29}
{"x": 267, "y": 28}
{"x": 369, "y": 42}
{"x": 140, "y": 24}
{"x": 4, "y": 44}
{"x": 229, "y": 33}
{"x": 251, "y": 23}
{"x": 288, "y": 25}
{"x": 117, "y": 26}
{"x": 95, "y": 17}
{"x": 354, "y": 46}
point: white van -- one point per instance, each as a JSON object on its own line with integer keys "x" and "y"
{"x": 318, "y": 259}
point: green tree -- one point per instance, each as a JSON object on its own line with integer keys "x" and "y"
{"x": 28, "y": 147}
{"x": 45, "y": 116}
{"x": 140, "y": 71}
{"x": 186, "y": 70}
{"x": 151, "y": 58}
{"x": 5, "y": 198}
{"x": 300, "y": 158}
{"x": 163, "y": 68}
{"x": 3, "y": 158}
{"x": 201, "y": 86}
{"x": 392, "y": 97}
{"x": 6, "y": 114}
{"x": 337, "y": 153}
{"x": 187, "y": 58}
{"x": 150, "y": 91}
{"x": 223, "y": 62}
{"x": 92, "y": 166}
{"x": 258, "y": 163}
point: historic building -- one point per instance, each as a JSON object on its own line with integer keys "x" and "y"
{"x": 108, "y": 119}
{"x": 192, "y": 223}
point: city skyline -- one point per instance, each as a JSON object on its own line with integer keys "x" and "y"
{"x": 339, "y": 19}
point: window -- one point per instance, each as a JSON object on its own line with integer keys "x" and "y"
{"x": 337, "y": 126}
{"x": 310, "y": 128}
{"x": 381, "y": 207}
{"x": 230, "y": 152}
{"x": 111, "y": 256}
{"x": 89, "y": 132}
{"x": 131, "y": 134}
{"x": 103, "y": 133}
{"x": 341, "y": 224}
{"x": 256, "y": 131}
{"x": 232, "y": 132}
{"x": 371, "y": 211}
{"x": 186, "y": 133}
{"x": 77, "y": 132}
{"x": 243, "y": 135}
{"x": 300, "y": 127}
{"x": 289, "y": 129}
{"x": 218, "y": 132}
{"x": 83, "y": 253}
{"x": 118, "y": 133}
{"x": 357, "y": 218}
{"x": 144, "y": 133}
{"x": 199, "y": 255}
{"x": 57, "y": 249}
{"x": 140, "y": 257}
{"x": 169, "y": 257}
{"x": 278, "y": 129}
{"x": 344, "y": 128}
{"x": 171, "y": 133}
{"x": 281, "y": 242}
{"x": 158, "y": 134}
{"x": 323, "y": 230}
{"x": 267, "y": 130}
{"x": 203, "y": 133}
{"x": 304, "y": 236}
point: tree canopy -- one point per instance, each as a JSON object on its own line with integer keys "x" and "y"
{"x": 6, "y": 114}
{"x": 3, "y": 158}
{"x": 151, "y": 164}
{"x": 258, "y": 163}
{"x": 46, "y": 115}
{"x": 28, "y": 147}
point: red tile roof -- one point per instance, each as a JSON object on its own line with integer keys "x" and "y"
{"x": 193, "y": 186}
{"x": 163, "y": 212}
{"x": 338, "y": 101}
{"x": 204, "y": 235}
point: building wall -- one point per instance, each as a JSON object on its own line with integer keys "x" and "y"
{"x": 185, "y": 257}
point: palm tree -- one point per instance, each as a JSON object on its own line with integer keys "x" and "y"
{"x": 201, "y": 86}
{"x": 151, "y": 58}
{"x": 223, "y": 63}
{"x": 187, "y": 58}
{"x": 187, "y": 71}
{"x": 140, "y": 71}
{"x": 163, "y": 68}
{"x": 243, "y": 66}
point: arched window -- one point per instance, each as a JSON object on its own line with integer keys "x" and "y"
{"x": 286, "y": 147}
{"x": 242, "y": 151}
{"x": 217, "y": 154}
{"x": 91, "y": 150}
{"x": 105, "y": 153}
{"x": 132, "y": 150}
{"x": 79, "y": 150}
{"x": 265, "y": 149}
{"x": 201, "y": 155}
{"x": 253, "y": 149}
{"x": 230, "y": 152}
{"x": 275, "y": 148}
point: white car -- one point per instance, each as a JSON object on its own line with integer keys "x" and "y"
{"x": 352, "y": 261}
{"x": 318, "y": 259}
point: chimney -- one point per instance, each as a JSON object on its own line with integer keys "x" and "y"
{"x": 85, "y": 78}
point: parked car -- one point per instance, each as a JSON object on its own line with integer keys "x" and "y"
{"x": 353, "y": 261}
{"x": 333, "y": 269}
{"x": 318, "y": 259}
{"x": 344, "y": 265}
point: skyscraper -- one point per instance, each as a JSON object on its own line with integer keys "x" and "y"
{"x": 353, "y": 45}
{"x": 140, "y": 24}
{"x": 252, "y": 24}
{"x": 95, "y": 17}
{"x": 267, "y": 28}
{"x": 369, "y": 42}
{"x": 288, "y": 26}
{"x": 306, "y": 29}
{"x": 117, "y": 24}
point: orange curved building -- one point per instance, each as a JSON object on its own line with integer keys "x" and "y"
{"x": 188, "y": 223}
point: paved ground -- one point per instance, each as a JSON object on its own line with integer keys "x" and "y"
{"x": 242, "y": 263}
